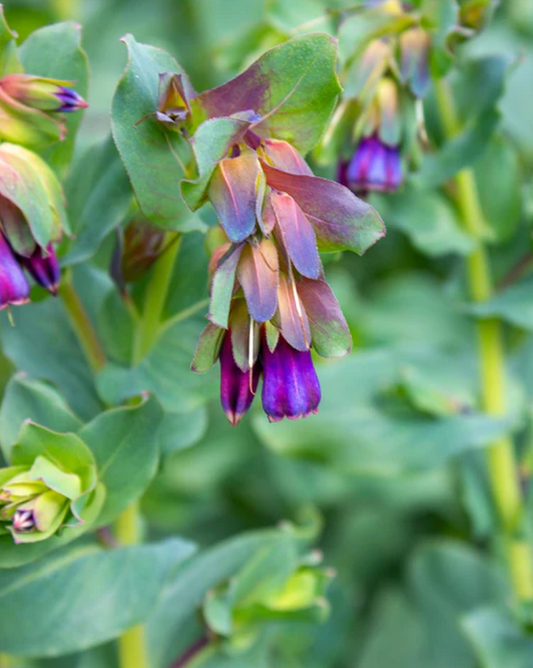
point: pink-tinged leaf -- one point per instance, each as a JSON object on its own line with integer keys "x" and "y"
{"x": 211, "y": 143}
{"x": 258, "y": 274}
{"x": 245, "y": 346}
{"x": 222, "y": 287}
{"x": 341, "y": 220}
{"x": 330, "y": 332}
{"x": 233, "y": 192}
{"x": 266, "y": 217}
{"x": 208, "y": 348}
{"x": 293, "y": 87}
{"x": 293, "y": 320}
{"x": 297, "y": 233}
{"x": 284, "y": 156}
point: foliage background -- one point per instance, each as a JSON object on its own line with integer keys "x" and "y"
{"x": 398, "y": 487}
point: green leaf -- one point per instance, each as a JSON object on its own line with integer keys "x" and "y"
{"x": 155, "y": 158}
{"x": 40, "y": 343}
{"x": 181, "y": 430}
{"x": 116, "y": 587}
{"x": 99, "y": 194}
{"x": 458, "y": 153}
{"x": 449, "y": 580}
{"x": 55, "y": 51}
{"x": 497, "y": 639}
{"x": 498, "y": 180}
{"x": 66, "y": 451}
{"x": 9, "y": 59}
{"x": 514, "y": 304}
{"x": 478, "y": 88}
{"x": 116, "y": 328}
{"x": 124, "y": 442}
{"x": 428, "y": 220}
{"x": 26, "y": 399}
{"x": 174, "y": 625}
{"x": 165, "y": 371}
{"x": 293, "y": 87}
{"x": 396, "y": 635}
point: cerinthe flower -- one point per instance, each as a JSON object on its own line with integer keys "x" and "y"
{"x": 27, "y": 230}
{"x": 50, "y": 485}
{"x": 30, "y": 108}
{"x": 270, "y": 305}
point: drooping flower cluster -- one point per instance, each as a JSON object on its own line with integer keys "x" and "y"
{"x": 32, "y": 215}
{"x": 385, "y": 80}
{"x": 270, "y": 303}
{"x": 380, "y": 121}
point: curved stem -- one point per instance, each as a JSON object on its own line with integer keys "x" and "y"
{"x": 501, "y": 459}
{"x": 81, "y": 324}
{"x": 155, "y": 297}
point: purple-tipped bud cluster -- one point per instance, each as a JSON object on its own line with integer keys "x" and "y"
{"x": 270, "y": 305}
{"x": 29, "y": 108}
{"x": 42, "y": 266}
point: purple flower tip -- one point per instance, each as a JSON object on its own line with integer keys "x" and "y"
{"x": 70, "y": 100}
{"x": 374, "y": 166}
{"x": 290, "y": 385}
{"x": 237, "y": 389}
{"x": 43, "y": 269}
{"x": 14, "y": 288}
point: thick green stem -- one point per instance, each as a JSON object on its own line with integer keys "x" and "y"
{"x": 132, "y": 644}
{"x": 81, "y": 324}
{"x": 156, "y": 296}
{"x": 501, "y": 459}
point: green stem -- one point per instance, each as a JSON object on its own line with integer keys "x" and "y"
{"x": 81, "y": 324}
{"x": 501, "y": 459}
{"x": 155, "y": 297}
{"x": 132, "y": 644}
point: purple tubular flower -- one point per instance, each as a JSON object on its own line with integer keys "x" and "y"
{"x": 14, "y": 287}
{"x": 374, "y": 166}
{"x": 43, "y": 269}
{"x": 70, "y": 100}
{"x": 237, "y": 389}
{"x": 290, "y": 384}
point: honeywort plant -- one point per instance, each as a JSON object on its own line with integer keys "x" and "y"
{"x": 211, "y": 226}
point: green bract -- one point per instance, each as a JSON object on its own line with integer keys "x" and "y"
{"x": 50, "y": 485}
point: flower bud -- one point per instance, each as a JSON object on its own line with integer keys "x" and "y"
{"x": 42, "y": 93}
{"x": 237, "y": 388}
{"x": 44, "y": 269}
{"x": 48, "y": 487}
{"x": 27, "y": 107}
